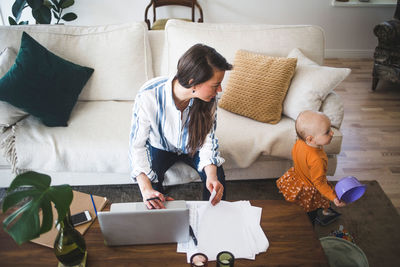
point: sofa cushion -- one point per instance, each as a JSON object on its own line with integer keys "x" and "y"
{"x": 242, "y": 140}
{"x": 103, "y": 127}
{"x": 120, "y": 54}
{"x": 272, "y": 40}
{"x": 310, "y": 85}
{"x": 96, "y": 140}
{"x": 158, "y": 53}
{"x": 257, "y": 86}
{"x": 7, "y": 59}
{"x": 105, "y": 149}
{"x": 43, "y": 84}
{"x": 8, "y": 113}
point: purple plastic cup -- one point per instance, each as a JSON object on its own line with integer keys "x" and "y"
{"x": 349, "y": 189}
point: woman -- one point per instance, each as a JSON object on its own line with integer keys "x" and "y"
{"x": 174, "y": 119}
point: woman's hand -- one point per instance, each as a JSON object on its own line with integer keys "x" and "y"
{"x": 212, "y": 183}
{"x": 339, "y": 203}
{"x": 152, "y": 198}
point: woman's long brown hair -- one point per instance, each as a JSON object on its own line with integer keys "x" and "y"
{"x": 197, "y": 66}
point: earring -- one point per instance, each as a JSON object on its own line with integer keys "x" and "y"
{"x": 193, "y": 91}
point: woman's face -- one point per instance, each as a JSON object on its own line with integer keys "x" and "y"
{"x": 208, "y": 90}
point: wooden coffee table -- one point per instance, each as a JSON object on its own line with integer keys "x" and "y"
{"x": 292, "y": 242}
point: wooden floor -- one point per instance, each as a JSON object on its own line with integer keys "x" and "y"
{"x": 371, "y": 128}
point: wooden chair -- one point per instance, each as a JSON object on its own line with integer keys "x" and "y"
{"x": 387, "y": 53}
{"x": 160, "y": 24}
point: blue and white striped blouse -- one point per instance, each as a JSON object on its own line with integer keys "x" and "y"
{"x": 158, "y": 122}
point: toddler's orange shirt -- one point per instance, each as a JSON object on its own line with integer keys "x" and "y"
{"x": 310, "y": 165}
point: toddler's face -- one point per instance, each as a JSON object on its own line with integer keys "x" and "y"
{"x": 323, "y": 133}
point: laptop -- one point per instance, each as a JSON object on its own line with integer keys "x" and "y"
{"x": 132, "y": 223}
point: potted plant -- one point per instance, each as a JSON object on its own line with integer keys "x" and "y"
{"x": 33, "y": 191}
{"x": 42, "y": 11}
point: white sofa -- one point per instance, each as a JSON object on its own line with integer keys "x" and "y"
{"x": 93, "y": 149}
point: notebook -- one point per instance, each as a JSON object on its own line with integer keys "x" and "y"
{"x": 80, "y": 202}
{"x": 132, "y": 223}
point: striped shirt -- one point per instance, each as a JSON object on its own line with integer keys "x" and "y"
{"x": 156, "y": 121}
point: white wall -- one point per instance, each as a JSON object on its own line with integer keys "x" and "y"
{"x": 348, "y": 30}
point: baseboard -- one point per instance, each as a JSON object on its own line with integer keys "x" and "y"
{"x": 344, "y": 53}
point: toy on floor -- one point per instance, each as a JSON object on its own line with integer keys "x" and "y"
{"x": 342, "y": 233}
{"x": 349, "y": 189}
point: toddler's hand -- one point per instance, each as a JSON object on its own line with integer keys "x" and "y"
{"x": 339, "y": 203}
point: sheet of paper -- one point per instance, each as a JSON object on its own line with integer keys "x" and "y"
{"x": 221, "y": 228}
{"x": 213, "y": 193}
{"x": 258, "y": 234}
{"x": 231, "y": 226}
{"x": 193, "y": 220}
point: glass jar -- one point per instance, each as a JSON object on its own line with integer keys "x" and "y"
{"x": 199, "y": 260}
{"x": 225, "y": 259}
{"x": 69, "y": 245}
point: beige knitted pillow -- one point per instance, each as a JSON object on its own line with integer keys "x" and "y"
{"x": 257, "y": 86}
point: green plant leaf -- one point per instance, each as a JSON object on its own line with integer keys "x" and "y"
{"x": 15, "y": 214}
{"x": 69, "y": 16}
{"x": 67, "y": 3}
{"x": 27, "y": 227}
{"x": 61, "y": 196}
{"x": 56, "y": 15}
{"x": 24, "y": 223}
{"x": 17, "y": 8}
{"x": 55, "y": 8}
{"x": 35, "y": 4}
{"x": 23, "y": 22}
{"x": 42, "y": 15}
{"x": 47, "y": 216}
{"x": 55, "y": 2}
{"x": 60, "y": 3}
{"x": 17, "y": 196}
{"x": 47, "y": 3}
{"x": 11, "y": 21}
{"x": 38, "y": 180}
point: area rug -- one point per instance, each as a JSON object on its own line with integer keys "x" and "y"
{"x": 374, "y": 223}
{"x": 372, "y": 220}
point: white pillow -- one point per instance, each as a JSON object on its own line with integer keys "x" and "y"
{"x": 310, "y": 85}
{"x": 9, "y": 114}
{"x": 301, "y": 58}
{"x": 333, "y": 108}
{"x": 119, "y": 54}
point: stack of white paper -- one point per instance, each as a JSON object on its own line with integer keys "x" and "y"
{"x": 228, "y": 226}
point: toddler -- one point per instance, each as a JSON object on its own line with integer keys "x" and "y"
{"x": 306, "y": 183}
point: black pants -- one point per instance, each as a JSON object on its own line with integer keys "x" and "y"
{"x": 162, "y": 160}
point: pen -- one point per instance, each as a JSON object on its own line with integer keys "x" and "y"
{"x": 192, "y": 235}
{"x": 94, "y": 206}
{"x": 153, "y": 198}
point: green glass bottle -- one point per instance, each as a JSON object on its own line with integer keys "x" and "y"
{"x": 69, "y": 246}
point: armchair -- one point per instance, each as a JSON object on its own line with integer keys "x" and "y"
{"x": 387, "y": 53}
